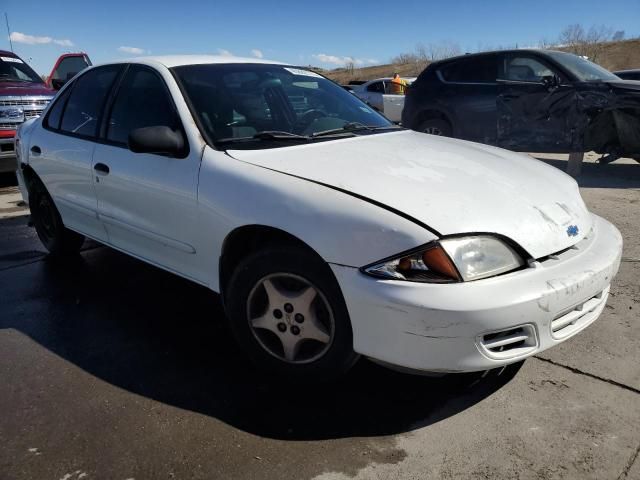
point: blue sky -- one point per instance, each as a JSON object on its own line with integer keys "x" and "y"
{"x": 320, "y": 33}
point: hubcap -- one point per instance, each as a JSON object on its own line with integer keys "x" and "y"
{"x": 433, "y": 131}
{"x": 290, "y": 318}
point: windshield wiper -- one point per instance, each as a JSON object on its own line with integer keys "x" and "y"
{"x": 276, "y": 135}
{"x": 355, "y": 127}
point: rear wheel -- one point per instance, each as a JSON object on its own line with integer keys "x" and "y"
{"x": 287, "y": 312}
{"x": 436, "y": 126}
{"x": 55, "y": 237}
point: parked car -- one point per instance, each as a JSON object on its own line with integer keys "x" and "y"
{"x": 66, "y": 67}
{"x": 628, "y": 74}
{"x": 527, "y": 100}
{"x": 328, "y": 231}
{"x": 23, "y": 95}
{"x": 379, "y": 94}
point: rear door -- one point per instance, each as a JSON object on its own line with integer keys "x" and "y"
{"x": 472, "y": 91}
{"x": 147, "y": 202}
{"x": 62, "y": 146}
{"x": 373, "y": 95}
{"x": 536, "y": 105}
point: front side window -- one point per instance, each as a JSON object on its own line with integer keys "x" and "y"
{"x": 233, "y": 101}
{"x": 526, "y": 69}
{"x": 87, "y": 99}
{"x": 142, "y": 101}
{"x": 471, "y": 70}
{"x": 376, "y": 87}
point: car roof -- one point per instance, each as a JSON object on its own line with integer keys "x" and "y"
{"x": 390, "y": 78}
{"x": 631, "y": 70}
{"x": 6, "y": 53}
{"x": 495, "y": 52}
{"x": 171, "y": 61}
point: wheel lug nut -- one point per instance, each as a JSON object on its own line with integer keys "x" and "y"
{"x": 282, "y": 327}
{"x": 299, "y": 318}
{"x": 277, "y": 313}
{"x": 288, "y": 307}
{"x": 295, "y": 330}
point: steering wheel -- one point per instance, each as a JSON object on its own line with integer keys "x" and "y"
{"x": 309, "y": 116}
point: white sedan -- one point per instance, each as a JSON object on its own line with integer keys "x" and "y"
{"x": 329, "y": 232}
{"x": 379, "y": 93}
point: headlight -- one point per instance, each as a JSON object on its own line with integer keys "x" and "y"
{"x": 450, "y": 260}
{"x": 481, "y": 256}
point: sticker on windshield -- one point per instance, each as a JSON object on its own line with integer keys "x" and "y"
{"x": 11, "y": 59}
{"x": 299, "y": 71}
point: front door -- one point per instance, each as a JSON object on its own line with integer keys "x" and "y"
{"x": 536, "y": 107}
{"x": 147, "y": 202}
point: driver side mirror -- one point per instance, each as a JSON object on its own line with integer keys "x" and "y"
{"x": 550, "y": 81}
{"x": 57, "y": 83}
{"x": 159, "y": 139}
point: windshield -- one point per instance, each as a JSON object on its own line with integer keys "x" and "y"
{"x": 583, "y": 69}
{"x": 272, "y": 103}
{"x": 13, "y": 69}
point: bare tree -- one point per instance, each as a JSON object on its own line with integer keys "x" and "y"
{"x": 590, "y": 44}
{"x": 618, "y": 36}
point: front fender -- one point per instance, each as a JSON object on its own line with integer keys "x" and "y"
{"x": 341, "y": 228}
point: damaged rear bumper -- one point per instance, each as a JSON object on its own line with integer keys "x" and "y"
{"x": 484, "y": 324}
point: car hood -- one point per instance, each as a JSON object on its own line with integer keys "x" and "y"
{"x": 25, "y": 89}
{"x": 452, "y": 186}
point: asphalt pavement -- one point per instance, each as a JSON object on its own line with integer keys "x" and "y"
{"x": 110, "y": 368}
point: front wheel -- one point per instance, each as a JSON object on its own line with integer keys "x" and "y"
{"x": 436, "y": 126}
{"x": 55, "y": 237}
{"x": 287, "y": 312}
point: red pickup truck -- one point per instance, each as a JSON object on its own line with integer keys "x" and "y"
{"x": 24, "y": 95}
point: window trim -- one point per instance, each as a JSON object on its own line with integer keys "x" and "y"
{"x": 113, "y": 96}
{"x": 71, "y": 86}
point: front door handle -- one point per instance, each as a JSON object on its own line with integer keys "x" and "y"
{"x": 101, "y": 168}
{"x": 35, "y": 150}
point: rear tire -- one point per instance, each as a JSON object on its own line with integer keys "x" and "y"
{"x": 56, "y": 238}
{"x": 287, "y": 312}
{"x": 436, "y": 126}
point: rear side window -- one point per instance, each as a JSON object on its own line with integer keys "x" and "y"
{"x": 70, "y": 66}
{"x": 471, "y": 70}
{"x": 55, "y": 113}
{"x": 88, "y": 96}
{"x": 142, "y": 101}
{"x": 377, "y": 87}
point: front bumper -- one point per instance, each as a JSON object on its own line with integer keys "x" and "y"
{"x": 8, "y": 162}
{"x": 484, "y": 324}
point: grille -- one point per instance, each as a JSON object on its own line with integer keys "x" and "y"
{"x": 25, "y": 101}
{"x": 29, "y": 114}
{"x": 578, "y": 317}
{"x": 509, "y": 343}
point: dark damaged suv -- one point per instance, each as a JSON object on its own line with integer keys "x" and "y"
{"x": 528, "y": 100}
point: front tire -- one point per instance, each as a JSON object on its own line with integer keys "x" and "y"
{"x": 287, "y": 313}
{"x": 436, "y": 126}
{"x": 55, "y": 237}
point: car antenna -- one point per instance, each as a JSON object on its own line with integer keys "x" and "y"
{"x": 6, "y": 19}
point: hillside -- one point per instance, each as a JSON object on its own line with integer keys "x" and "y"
{"x": 615, "y": 56}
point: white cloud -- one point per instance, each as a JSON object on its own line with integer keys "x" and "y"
{"x": 225, "y": 53}
{"x": 63, "y": 43}
{"x": 131, "y": 50}
{"x": 19, "y": 37}
{"x": 340, "y": 61}
{"x": 257, "y": 53}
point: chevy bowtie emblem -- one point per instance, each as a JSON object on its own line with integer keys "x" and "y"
{"x": 572, "y": 230}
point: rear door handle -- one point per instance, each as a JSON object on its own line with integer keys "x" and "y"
{"x": 35, "y": 150}
{"x": 101, "y": 168}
